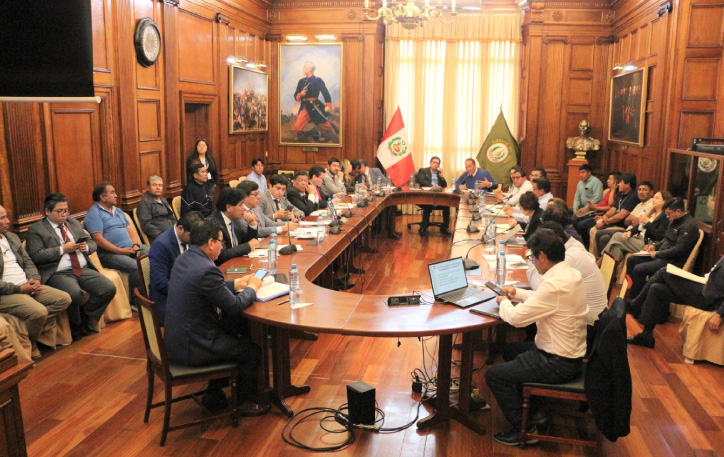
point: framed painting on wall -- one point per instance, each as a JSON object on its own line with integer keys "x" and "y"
{"x": 310, "y": 91}
{"x": 248, "y": 100}
{"x": 627, "y": 113}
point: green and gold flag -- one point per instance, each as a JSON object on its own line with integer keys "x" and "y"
{"x": 499, "y": 152}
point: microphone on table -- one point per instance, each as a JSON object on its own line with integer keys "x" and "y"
{"x": 471, "y": 264}
{"x": 471, "y": 228}
{"x": 290, "y": 248}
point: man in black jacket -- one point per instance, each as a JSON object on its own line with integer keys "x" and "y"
{"x": 652, "y": 304}
{"x": 302, "y": 194}
{"x": 238, "y": 225}
{"x": 195, "y": 334}
{"x": 196, "y": 195}
{"x": 432, "y": 177}
{"x": 679, "y": 240}
{"x": 154, "y": 213}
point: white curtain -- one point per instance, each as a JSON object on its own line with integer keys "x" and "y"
{"x": 450, "y": 82}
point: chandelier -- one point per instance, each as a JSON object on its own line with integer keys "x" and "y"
{"x": 409, "y": 15}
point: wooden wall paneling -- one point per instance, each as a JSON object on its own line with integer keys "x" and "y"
{"x": 103, "y": 49}
{"x": 171, "y": 159}
{"x": 197, "y": 44}
{"x": 24, "y": 143}
{"x": 554, "y": 82}
{"x": 534, "y": 65}
{"x": 199, "y": 118}
{"x": 6, "y": 189}
{"x": 73, "y": 133}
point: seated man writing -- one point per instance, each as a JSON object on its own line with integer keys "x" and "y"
{"x": 195, "y": 334}
{"x": 559, "y": 310}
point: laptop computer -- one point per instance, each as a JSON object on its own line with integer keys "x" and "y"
{"x": 450, "y": 284}
{"x": 489, "y": 308}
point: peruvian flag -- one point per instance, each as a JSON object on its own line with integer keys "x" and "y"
{"x": 394, "y": 152}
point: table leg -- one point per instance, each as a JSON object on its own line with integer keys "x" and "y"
{"x": 445, "y": 411}
{"x": 283, "y": 386}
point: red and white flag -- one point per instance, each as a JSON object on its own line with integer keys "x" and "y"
{"x": 394, "y": 152}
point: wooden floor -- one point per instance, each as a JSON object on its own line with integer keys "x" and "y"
{"x": 88, "y": 399}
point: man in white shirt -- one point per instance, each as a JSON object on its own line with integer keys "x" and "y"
{"x": 519, "y": 186}
{"x": 578, "y": 258}
{"x": 559, "y": 310}
{"x": 257, "y": 174}
{"x": 332, "y": 183}
{"x": 21, "y": 293}
{"x": 541, "y": 187}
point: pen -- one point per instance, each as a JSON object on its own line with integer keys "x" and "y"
{"x": 282, "y": 302}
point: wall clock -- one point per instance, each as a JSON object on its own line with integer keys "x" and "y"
{"x": 148, "y": 42}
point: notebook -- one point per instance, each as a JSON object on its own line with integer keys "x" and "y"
{"x": 450, "y": 284}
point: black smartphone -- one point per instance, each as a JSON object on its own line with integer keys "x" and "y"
{"x": 260, "y": 274}
{"x": 491, "y": 285}
{"x": 83, "y": 239}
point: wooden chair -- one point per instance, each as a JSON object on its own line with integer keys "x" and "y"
{"x": 144, "y": 273}
{"x": 624, "y": 288}
{"x": 144, "y": 237}
{"x": 573, "y": 390}
{"x": 120, "y": 307}
{"x": 607, "y": 267}
{"x": 173, "y": 374}
{"x": 285, "y": 172}
{"x": 234, "y": 183}
{"x": 701, "y": 342}
{"x": 677, "y": 310}
{"x": 176, "y": 206}
{"x": 132, "y": 224}
{"x": 242, "y": 179}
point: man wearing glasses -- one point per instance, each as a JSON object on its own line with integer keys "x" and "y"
{"x": 519, "y": 185}
{"x": 59, "y": 249}
{"x": 558, "y": 308}
{"x": 196, "y": 335}
{"x": 676, "y": 246}
{"x": 238, "y": 225}
{"x": 195, "y": 196}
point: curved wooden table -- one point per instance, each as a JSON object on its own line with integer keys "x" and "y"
{"x": 368, "y": 315}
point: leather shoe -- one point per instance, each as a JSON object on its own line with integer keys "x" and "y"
{"x": 355, "y": 270}
{"x": 445, "y": 231}
{"x": 250, "y": 409}
{"x": 644, "y": 339}
{"x": 422, "y": 231}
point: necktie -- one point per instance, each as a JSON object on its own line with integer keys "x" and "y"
{"x": 234, "y": 241}
{"x": 184, "y": 247}
{"x": 74, "y": 262}
{"x": 319, "y": 194}
{"x": 276, "y": 202}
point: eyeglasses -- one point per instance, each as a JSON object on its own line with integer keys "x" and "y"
{"x": 223, "y": 244}
{"x": 530, "y": 257}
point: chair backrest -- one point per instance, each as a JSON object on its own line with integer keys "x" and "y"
{"x": 607, "y": 267}
{"x": 234, "y": 183}
{"x": 144, "y": 273}
{"x": 132, "y": 225}
{"x": 242, "y": 178}
{"x": 144, "y": 238}
{"x": 624, "y": 288}
{"x": 286, "y": 172}
{"x": 152, "y": 336}
{"x": 689, "y": 265}
{"x": 176, "y": 206}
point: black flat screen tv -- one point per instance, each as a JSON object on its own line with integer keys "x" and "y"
{"x": 46, "y": 48}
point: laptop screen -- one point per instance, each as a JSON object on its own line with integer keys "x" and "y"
{"x": 447, "y": 275}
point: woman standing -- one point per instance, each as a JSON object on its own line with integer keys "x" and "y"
{"x": 203, "y": 156}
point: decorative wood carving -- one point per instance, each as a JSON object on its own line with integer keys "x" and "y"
{"x": 352, "y": 37}
{"x": 547, "y": 39}
{"x": 605, "y": 40}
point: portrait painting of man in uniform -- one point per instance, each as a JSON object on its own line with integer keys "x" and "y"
{"x": 310, "y": 90}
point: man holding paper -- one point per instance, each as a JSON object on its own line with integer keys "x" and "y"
{"x": 672, "y": 284}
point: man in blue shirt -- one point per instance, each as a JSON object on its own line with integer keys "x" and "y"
{"x": 474, "y": 174}
{"x": 118, "y": 244}
{"x": 257, "y": 174}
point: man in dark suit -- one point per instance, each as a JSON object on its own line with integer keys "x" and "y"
{"x": 316, "y": 179}
{"x": 432, "y": 177}
{"x": 164, "y": 251}
{"x": 195, "y": 334}
{"x": 303, "y": 195}
{"x": 652, "y": 304}
{"x": 364, "y": 174}
{"x": 237, "y": 225}
{"x": 59, "y": 248}
{"x": 21, "y": 292}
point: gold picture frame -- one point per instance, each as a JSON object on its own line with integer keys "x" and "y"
{"x": 627, "y": 107}
{"x": 248, "y": 100}
{"x": 310, "y": 96}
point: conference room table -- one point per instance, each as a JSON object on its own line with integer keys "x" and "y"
{"x": 346, "y": 313}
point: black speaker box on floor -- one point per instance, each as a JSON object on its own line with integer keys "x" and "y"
{"x": 361, "y": 402}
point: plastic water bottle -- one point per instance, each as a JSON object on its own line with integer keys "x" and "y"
{"x": 321, "y": 227}
{"x": 330, "y": 210}
{"x": 500, "y": 266}
{"x": 273, "y": 236}
{"x": 293, "y": 283}
{"x": 413, "y": 184}
{"x": 272, "y": 257}
{"x": 492, "y": 232}
{"x": 641, "y": 224}
{"x": 452, "y": 183}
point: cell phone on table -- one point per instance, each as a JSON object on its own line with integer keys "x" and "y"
{"x": 491, "y": 285}
{"x": 260, "y": 274}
